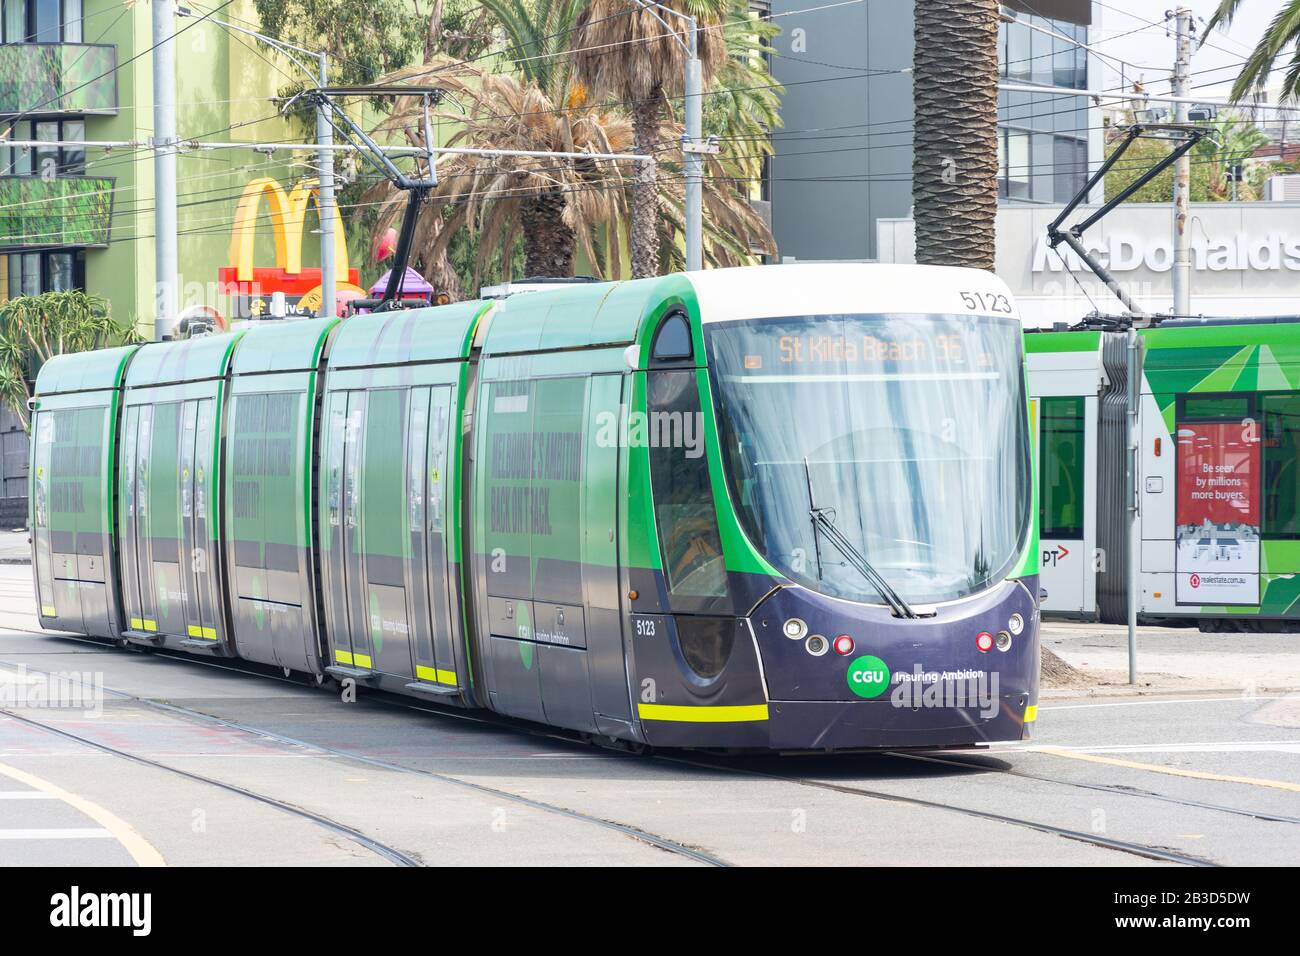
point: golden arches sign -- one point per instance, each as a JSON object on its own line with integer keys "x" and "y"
{"x": 288, "y": 214}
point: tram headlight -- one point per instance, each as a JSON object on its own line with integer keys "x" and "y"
{"x": 1016, "y": 624}
{"x": 817, "y": 645}
{"x": 795, "y": 629}
{"x": 1003, "y": 641}
{"x": 984, "y": 641}
{"x": 844, "y": 645}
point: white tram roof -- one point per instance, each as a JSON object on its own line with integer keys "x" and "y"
{"x": 843, "y": 288}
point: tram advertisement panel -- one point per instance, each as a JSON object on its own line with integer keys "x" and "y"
{"x": 1218, "y": 519}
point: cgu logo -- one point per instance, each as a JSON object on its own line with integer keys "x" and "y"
{"x": 868, "y": 676}
{"x": 1052, "y": 557}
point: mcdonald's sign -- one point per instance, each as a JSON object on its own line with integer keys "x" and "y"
{"x": 251, "y": 286}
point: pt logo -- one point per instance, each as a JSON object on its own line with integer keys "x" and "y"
{"x": 1195, "y": 580}
{"x": 1053, "y": 556}
{"x": 868, "y": 676}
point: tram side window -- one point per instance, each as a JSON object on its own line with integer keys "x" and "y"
{"x": 684, "y": 509}
{"x": 1061, "y": 484}
{"x": 558, "y": 405}
{"x": 1281, "y": 479}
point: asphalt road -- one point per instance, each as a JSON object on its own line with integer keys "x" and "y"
{"x": 187, "y": 763}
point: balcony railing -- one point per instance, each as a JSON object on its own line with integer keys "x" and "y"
{"x": 58, "y": 78}
{"x": 65, "y": 211}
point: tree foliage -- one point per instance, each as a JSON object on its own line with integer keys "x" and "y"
{"x": 35, "y": 328}
{"x": 1281, "y": 37}
{"x": 1233, "y": 140}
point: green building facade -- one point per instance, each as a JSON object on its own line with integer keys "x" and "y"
{"x": 83, "y": 217}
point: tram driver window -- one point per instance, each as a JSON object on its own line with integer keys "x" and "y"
{"x": 684, "y": 510}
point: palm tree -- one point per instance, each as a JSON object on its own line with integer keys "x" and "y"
{"x": 552, "y": 206}
{"x": 1282, "y": 33}
{"x": 625, "y": 51}
{"x": 35, "y": 328}
{"x": 955, "y": 138}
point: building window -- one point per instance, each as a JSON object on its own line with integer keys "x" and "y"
{"x": 31, "y": 273}
{"x": 45, "y": 161}
{"x": 42, "y": 21}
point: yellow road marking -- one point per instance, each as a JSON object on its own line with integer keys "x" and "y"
{"x": 1172, "y": 771}
{"x": 141, "y": 850}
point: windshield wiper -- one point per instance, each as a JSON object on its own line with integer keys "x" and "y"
{"x": 824, "y": 523}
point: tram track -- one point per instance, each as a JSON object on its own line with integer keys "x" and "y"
{"x": 497, "y": 723}
{"x": 392, "y": 854}
{"x": 1123, "y": 846}
{"x": 957, "y": 762}
{"x": 696, "y": 854}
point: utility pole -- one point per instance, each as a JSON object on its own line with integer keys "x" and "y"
{"x": 166, "y": 270}
{"x": 325, "y": 199}
{"x": 1182, "y": 272}
{"x": 694, "y": 160}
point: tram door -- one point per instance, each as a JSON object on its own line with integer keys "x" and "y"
{"x": 167, "y": 459}
{"x": 195, "y": 481}
{"x": 428, "y": 432}
{"x": 137, "y": 597}
{"x": 370, "y": 626}
{"x": 602, "y": 493}
{"x": 346, "y": 413}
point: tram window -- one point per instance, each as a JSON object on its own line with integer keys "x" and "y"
{"x": 684, "y": 509}
{"x": 1281, "y": 453}
{"x": 673, "y": 340}
{"x": 1061, "y": 468}
{"x": 1216, "y": 408}
{"x": 556, "y": 453}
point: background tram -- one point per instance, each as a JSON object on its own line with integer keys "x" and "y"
{"x": 784, "y": 507}
{"x": 1218, "y": 481}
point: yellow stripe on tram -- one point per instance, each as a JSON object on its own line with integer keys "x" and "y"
{"x": 437, "y": 675}
{"x": 49, "y": 611}
{"x": 703, "y": 714}
{"x": 137, "y": 624}
{"x": 1031, "y": 713}
{"x": 353, "y": 660}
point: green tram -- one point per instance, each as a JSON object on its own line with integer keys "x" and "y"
{"x": 784, "y": 507}
{"x": 1218, "y": 472}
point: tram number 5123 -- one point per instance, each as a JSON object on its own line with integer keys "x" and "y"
{"x": 645, "y": 626}
{"x": 986, "y": 302}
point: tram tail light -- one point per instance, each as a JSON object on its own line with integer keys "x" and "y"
{"x": 844, "y": 645}
{"x": 1157, "y": 448}
{"x": 984, "y": 641}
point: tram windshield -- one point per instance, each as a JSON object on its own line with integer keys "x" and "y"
{"x": 905, "y": 434}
